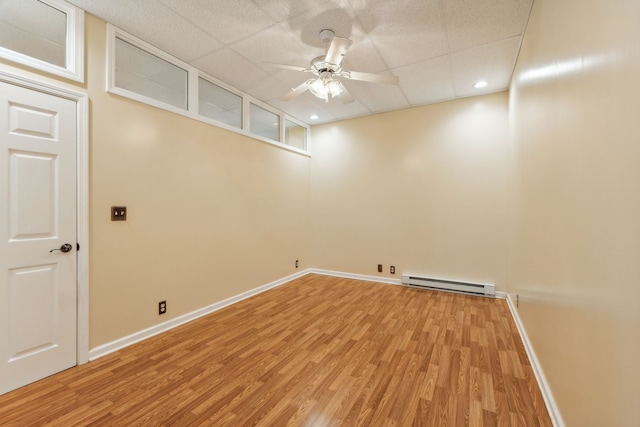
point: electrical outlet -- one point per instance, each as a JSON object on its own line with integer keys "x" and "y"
{"x": 297, "y": 263}
{"x": 118, "y": 213}
{"x": 379, "y": 268}
{"x": 162, "y": 307}
{"x": 392, "y": 269}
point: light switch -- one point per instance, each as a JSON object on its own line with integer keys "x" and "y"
{"x": 118, "y": 213}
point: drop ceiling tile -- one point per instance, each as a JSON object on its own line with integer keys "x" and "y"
{"x": 276, "y": 44}
{"x": 427, "y": 82}
{"x": 404, "y": 31}
{"x": 478, "y": 22}
{"x": 492, "y": 62}
{"x": 377, "y": 97}
{"x": 289, "y": 78}
{"x": 335, "y": 15}
{"x": 363, "y": 55}
{"x": 178, "y": 37}
{"x": 283, "y": 10}
{"x": 226, "y": 65}
{"x": 98, "y": 8}
{"x": 267, "y": 87}
{"x": 340, "y": 110}
{"x": 302, "y": 108}
{"x": 184, "y": 42}
{"x": 227, "y": 21}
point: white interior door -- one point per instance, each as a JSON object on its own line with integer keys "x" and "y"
{"x": 38, "y": 290}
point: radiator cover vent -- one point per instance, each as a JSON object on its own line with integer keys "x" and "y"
{"x": 483, "y": 289}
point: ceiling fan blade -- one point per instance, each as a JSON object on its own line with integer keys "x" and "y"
{"x": 288, "y": 67}
{"x": 369, "y": 77}
{"x": 337, "y": 50}
{"x": 303, "y": 87}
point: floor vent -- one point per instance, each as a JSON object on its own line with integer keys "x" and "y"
{"x": 483, "y": 289}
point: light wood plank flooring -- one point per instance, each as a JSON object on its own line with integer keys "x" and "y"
{"x": 318, "y": 351}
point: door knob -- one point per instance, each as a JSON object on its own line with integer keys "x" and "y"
{"x": 64, "y": 248}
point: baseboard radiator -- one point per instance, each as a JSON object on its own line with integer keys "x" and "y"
{"x": 483, "y": 289}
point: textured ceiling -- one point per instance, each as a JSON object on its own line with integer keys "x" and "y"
{"x": 438, "y": 48}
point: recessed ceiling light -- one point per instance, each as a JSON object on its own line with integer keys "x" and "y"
{"x": 314, "y": 117}
{"x": 480, "y": 84}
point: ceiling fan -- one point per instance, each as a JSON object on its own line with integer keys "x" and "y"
{"x": 328, "y": 68}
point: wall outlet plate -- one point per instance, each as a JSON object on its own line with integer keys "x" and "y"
{"x": 118, "y": 213}
{"x": 162, "y": 307}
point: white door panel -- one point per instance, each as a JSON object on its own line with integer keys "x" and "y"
{"x": 37, "y": 215}
{"x": 32, "y": 182}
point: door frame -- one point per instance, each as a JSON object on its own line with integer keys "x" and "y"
{"x": 82, "y": 201}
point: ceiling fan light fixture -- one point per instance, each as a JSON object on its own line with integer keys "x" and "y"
{"x": 334, "y": 87}
{"x": 326, "y": 88}
{"x": 318, "y": 89}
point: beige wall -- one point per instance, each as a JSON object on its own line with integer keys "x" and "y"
{"x": 575, "y": 127}
{"x": 211, "y": 213}
{"x": 423, "y": 189}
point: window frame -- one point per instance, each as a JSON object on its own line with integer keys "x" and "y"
{"x": 74, "y": 46}
{"x": 193, "y": 76}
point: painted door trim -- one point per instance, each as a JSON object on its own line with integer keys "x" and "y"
{"x": 82, "y": 201}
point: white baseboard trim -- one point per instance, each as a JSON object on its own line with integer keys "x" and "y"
{"x": 547, "y": 395}
{"x": 344, "y": 275}
{"x": 121, "y": 343}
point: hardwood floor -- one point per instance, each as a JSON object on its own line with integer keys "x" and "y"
{"x": 318, "y": 351}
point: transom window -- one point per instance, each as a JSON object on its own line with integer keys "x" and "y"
{"x": 219, "y": 104}
{"x": 146, "y": 74}
{"x": 44, "y": 34}
{"x": 264, "y": 122}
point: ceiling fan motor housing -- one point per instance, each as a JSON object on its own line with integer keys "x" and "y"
{"x": 319, "y": 66}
